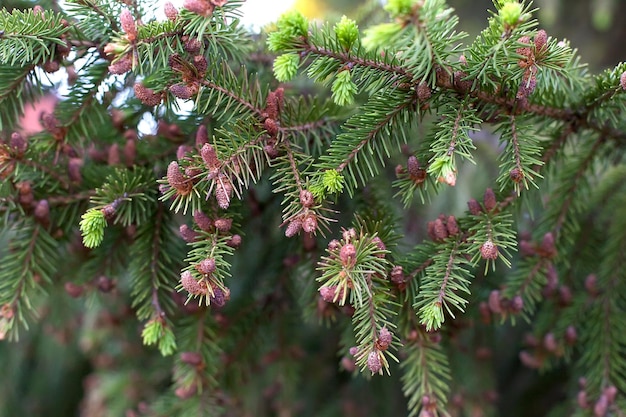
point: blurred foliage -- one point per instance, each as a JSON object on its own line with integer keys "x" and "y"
{"x": 595, "y": 27}
{"x": 53, "y": 360}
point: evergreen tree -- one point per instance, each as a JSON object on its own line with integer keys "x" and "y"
{"x": 257, "y": 247}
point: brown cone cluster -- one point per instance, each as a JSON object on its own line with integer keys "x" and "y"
{"x": 414, "y": 170}
{"x": 306, "y": 219}
{"x": 443, "y": 227}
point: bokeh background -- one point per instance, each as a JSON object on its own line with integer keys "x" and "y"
{"x": 46, "y": 374}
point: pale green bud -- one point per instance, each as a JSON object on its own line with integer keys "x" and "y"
{"x": 92, "y": 227}
{"x": 343, "y": 89}
{"x": 286, "y": 66}
{"x": 444, "y": 170}
{"x": 398, "y": 8}
{"x": 510, "y": 13}
{"x": 290, "y": 28}
{"x": 347, "y": 32}
{"x": 332, "y": 181}
{"x": 501, "y": 3}
{"x": 294, "y": 23}
{"x": 381, "y": 35}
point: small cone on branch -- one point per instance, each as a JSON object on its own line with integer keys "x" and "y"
{"x": 223, "y": 193}
{"x": 170, "y": 11}
{"x": 516, "y": 175}
{"x": 42, "y": 212}
{"x": 202, "y": 220}
{"x": 202, "y": 136}
{"x": 122, "y": 66}
{"x": 347, "y": 254}
{"x": 474, "y": 207}
{"x": 328, "y": 293}
{"x": 192, "y": 285}
{"x": 397, "y": 275}
{"x": 373, "y": 362}
{"x": 541, "y": 38}
{"x": 188, "y": 234}
{"x": 489, "y": 250}
{"x": 223, "y": 224}
{"x": 183, "y": 91}
{"x": 234, "y": 241}
{"x": 494, "y": 302}
{"x": 220, "y": 297}
{"x": 74, "y": 290}
{"x": 306, "y": 198}
{"x": 423, "y": 91}
{"x": 209, "y": 156}
{"x": 439, "y": 230}
{"x": 175, "y": 177}
{"x": 206, "y": 266}
{"x": 384, "y": 339}
{"x": 193, "y": 46}
{"x": 309, "y": 223}
{"x": 200, "y": 7}
{"x": 18, "y": 143}
{"x": 128, "y": 24}
{"x": 147, "y": 96}
{"x": 489, "y": 199}
{"x": 294, "y": 227}
{"x": 517, "y": 304}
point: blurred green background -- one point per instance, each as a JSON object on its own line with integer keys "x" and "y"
{"x": 45, "y": 374}
{"x": 596, "y": 27}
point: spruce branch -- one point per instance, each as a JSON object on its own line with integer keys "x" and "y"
{"x": 45, "y": 170}
{"x": 228, "y": 93}
{"x": 299, "y": 203}
{"x": 605, "y": 344}
{"x": 102, "y": 11}
{"x": 227, "y": 138}
{"x": 443, "y": 284}
{"x": 121, "y": 186}
{"x": 208, "y": 267}
{"x": 309, "y": 123}
{"x": 30, "y": 37}
{"x": 365, "y": 135}
{"x": 573, "y": 183}
{"x": 452, "y": 139}
{"x": 153, "y": 274}
{"x": 22, "y": 276}
{"x": 374, "y": 330}
{"x": 17, "y": 87}
{"x": 426, "y": 376}
{"x": 81, "y": 114}
{"x": 196, "y": 369}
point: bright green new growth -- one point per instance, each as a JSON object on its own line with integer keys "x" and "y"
{"x": 286, "y": 66}
{"x": 343, "y": 89}
{"x": 155, "y": 332}
{"x": 400, "y": 8}
{"x": 510, "y": 13}
{"x": 380, "y": 35}
{"x": 92, "y": 225}
{"x": 318, "y": 175}
{"x": 332, "y": 182}
{"x": 291, "y": 27}
{"x": 347, "y": 32}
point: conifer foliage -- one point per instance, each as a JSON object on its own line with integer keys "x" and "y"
{"x": 217, "y": 263}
